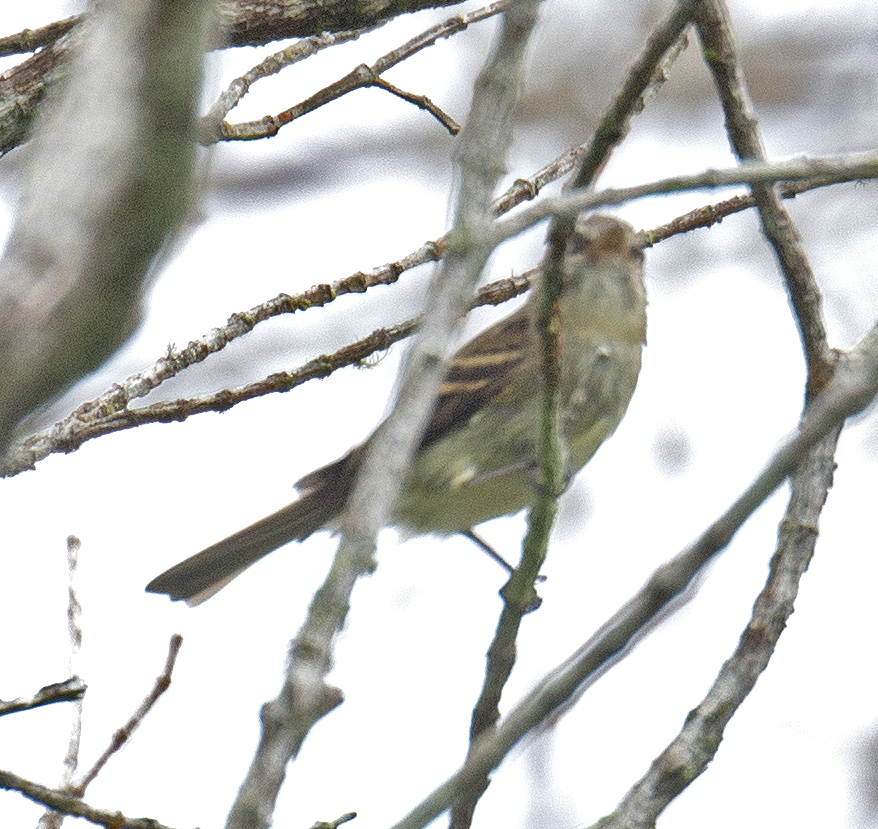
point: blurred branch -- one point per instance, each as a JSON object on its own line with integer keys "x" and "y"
{"x": 528, "y": 189}
{"x": 123, "y": 734}
{"x": 817, "y": 172}
{"x": 853, "y": 386}
{"x": 334, "y": 824}
{"x": 69, "y": 804}
{"x": 696, "y": 745}
{"x": 23, "y": 88}
{"x": 519, "y": 595}
{"x": 214, "y": 127}
{"x": 50, "y": 819}
{"x": 712, "y": 214}
{"x": 306, "y": 696}
{"x": 254, "y": 22}
{"x": 647, "y": 72}
{"x": 29, "y": 40}
{"x": 110, "y": 413}
{"x": 108, "y": 182}
{"x": 243, "y": 23}
{"x": 67, "y": 691}
{"x": 720, "y": 53}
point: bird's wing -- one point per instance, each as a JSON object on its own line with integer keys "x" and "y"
{"x": 478, "y": 373}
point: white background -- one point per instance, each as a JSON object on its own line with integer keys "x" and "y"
{"x": 364, "y": 182}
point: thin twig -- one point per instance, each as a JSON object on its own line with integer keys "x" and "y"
{"x": 334, "y": 824}
{"x": 712, "y": 214}
{"x": 212, "y": 121}
{"x": 715, "y": 30}
{"x": 67, "y": 691}
{"x": 29, "y": 40}
{"x": 98, "y": 417}
{"x": 243, "y": 24}
{"x": 519, "y": 595}
{"x": 688, "y": 755}
{"x": 817, "y": 171}
{"x": 527, "y": 189}
{"x": 122, "y": 735}
{"x": 306, "y": 696}
{"x": 69, "y": 804}
{"x": 646, "y": 72}
{"x": 361, "y": 77}
{"x": 853, "y": 386}
{"x": 109, "y": 411}
{"x": 51, "y": 819}
{"x": 62, "y": 436}
{"x": 74, "y": 634}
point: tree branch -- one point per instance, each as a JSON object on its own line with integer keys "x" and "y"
{"x": 108, "y": 183}
{"x": 66, "y": 691}
{"x": 69, "y": 804}
{"x": 691, "y": 751}
{"x": 214, "y": 127}
{"x": 720, "y": 54}
{"x": 853, "y": 386}
{"x": 306, "y": 696}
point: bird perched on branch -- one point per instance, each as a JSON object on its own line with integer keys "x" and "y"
{"x": 477, "y": 459}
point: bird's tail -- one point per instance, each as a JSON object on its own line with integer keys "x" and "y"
{"x": 200, "y": 576}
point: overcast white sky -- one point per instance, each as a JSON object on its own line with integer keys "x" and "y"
{"x": 721, "y": 384}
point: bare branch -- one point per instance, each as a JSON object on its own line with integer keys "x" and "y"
{"x": 527, "y": 189}
{"x": 306, "y": 696}
{"x": 853, "y": 386}
{"x": 81, "y": 246}
{"x": 67, "y": 691}
{"x": 720, "y": 52}
{"x": 29, "y": 40}
{"x": 646, "y": 73}
{"x": 215, "y": 128}
{"x": 696, "y": 745}
{"x": 69, "y": 804}
{"x": 243, "y": 22}
{"x": 519, "y": 595}
{"x": 816, "y": 172}
{"x": 109, "y": 413}
{"x": 334, "y": 824}
{"x": 123, "y": 735}
{"x": 50, "y": 819}
{"x": 712, "y": 214}
{"x": 254, "y": 22}
{"x": 212, "y": 122}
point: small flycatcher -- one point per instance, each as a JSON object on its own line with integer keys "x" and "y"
{"x": 476, "y": 460}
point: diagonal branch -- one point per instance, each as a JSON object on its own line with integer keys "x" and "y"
{"x": 306, "y": 696}
{"x": 68, "y": 804}
{"x": 215, "y": 128}
{"x": 29, "y": 40}
{"x": 719, "y": 50}
{"x": 81, "y": 247}
{"x": 816, "y": 171}
{"x": 122, "y": 735}
{"x": 692, "y": 750}
{"x": 67, "y": 691}
{"x": 853, "y": 386}
{"x": 519, "y": 596}
{"x": 110, "y": 413}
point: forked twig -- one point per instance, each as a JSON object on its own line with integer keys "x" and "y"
{"x": 215, "y": 128}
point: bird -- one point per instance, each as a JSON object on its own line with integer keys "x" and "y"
{"x": 477, "y": 459}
